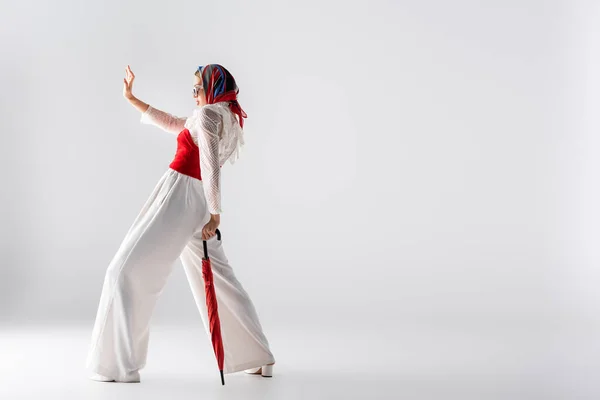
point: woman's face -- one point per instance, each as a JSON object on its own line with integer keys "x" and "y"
{"x": 200, "y": 97}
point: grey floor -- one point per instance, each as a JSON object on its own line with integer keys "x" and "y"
{"x": 417, "y": 363}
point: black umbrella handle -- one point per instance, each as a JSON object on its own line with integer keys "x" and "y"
{"x": 206, "y": 247}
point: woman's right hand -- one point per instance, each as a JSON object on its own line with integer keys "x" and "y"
{"x": 128, "y": 83}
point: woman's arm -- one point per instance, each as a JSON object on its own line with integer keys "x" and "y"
{"x": 210, "y": 168}
{"x": 208, "y": 142}
{"x": 161, "y": 119}
{"x": 151, "y": 115}
{"x": 138, "y": 104}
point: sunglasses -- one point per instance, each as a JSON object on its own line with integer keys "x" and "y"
{"x": 197, "y": 89}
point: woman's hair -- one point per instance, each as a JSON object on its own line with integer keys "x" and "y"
{"x": 219, "y": 85}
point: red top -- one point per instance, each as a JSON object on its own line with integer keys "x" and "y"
{"x": 187, "y": 157}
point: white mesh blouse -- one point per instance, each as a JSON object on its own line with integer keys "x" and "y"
{"x": 215, "y": 129}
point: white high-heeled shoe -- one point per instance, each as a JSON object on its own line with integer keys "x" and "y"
{"x": 265, "y": 370}
{"x": 132, "y": 378}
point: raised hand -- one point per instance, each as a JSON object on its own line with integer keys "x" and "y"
{"x": 128, "y": 83}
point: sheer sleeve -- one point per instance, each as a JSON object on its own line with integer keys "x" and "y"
{"x": 163, "y": 120}
{"x": 208, "y": 142}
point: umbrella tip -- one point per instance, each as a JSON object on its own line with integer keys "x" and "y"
{"x": 222, "y": 378}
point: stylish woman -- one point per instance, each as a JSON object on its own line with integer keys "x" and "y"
{"x": 183, "y": 210}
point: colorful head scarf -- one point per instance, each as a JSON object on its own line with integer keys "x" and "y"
{"x": 219, "y": 85}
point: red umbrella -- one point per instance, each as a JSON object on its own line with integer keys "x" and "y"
{"x": 213, "y": 312}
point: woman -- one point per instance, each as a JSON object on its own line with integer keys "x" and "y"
{"x": 183, "y": 210}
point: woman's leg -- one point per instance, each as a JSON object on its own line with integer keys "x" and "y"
{"x": 244, "y": 343}
{"x": 137, "y": 275}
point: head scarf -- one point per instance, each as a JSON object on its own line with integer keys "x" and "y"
{"x": 219, "y": 85}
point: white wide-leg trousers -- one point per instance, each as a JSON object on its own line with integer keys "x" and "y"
{"x": 170, "y": 226}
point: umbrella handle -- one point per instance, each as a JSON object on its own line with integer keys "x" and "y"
{"x": 206, "y": 248}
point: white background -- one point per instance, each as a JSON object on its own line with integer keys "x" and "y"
{"x": 407, "y": 163}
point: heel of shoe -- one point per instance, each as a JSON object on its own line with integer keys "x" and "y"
{"x": 267, "y": 371}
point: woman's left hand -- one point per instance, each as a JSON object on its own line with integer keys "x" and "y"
{"x": 210, "y": 229}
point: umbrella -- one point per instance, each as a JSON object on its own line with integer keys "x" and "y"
{"x": 213, "y": 312}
